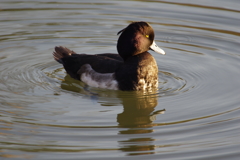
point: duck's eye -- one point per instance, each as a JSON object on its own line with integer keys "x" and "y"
{"x": 147, "y": 36}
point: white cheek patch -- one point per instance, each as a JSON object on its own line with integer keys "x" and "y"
{"x": 100, "y": 80}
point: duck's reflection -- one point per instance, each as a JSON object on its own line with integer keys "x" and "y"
{"x": 136, "y": 118}
{"x": 137, "y": 111}
{"x": 136, "y": 145}
{"x": 138, "y": 107}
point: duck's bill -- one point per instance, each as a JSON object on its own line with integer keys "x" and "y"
{"x": 155, "y": 48}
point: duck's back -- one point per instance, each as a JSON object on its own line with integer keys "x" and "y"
{"x": 72, "y": 62}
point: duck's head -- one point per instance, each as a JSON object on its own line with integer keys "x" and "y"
{"x": 136, "y": 38}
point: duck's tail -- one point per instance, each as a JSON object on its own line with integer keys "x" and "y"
{"x": 61, "y": 52}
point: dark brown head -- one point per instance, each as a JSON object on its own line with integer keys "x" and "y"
{"x": 136, "y": 38}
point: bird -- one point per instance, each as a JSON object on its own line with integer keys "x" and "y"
{"x": 132, "y": 69}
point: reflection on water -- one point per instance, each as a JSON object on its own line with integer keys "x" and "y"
{"x": 45, "y": 114}
{"x": 145, "y": 147}
{"x": 137, "y": 111}
{"x": 136, "y": 118}
{"x": 138, "y": 107}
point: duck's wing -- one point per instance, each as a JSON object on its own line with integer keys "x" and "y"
{"x": 112, "y": 56}
{"x": 95, "y": 79}
{"x": 72, "y": 62}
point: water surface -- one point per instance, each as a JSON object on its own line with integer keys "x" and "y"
{"x": 194, "y": 114}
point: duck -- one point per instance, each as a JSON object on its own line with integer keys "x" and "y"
{"x": 132, "y": 69}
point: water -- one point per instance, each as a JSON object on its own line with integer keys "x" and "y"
{"x": 45, "y": 114}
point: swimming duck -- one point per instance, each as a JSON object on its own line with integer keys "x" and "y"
{"x": 133, "y": 68}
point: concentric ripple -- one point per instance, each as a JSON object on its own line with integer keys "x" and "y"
{"x": 46, "y": 114}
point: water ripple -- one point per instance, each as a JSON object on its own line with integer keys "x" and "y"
{"x": 194, "y": 114}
